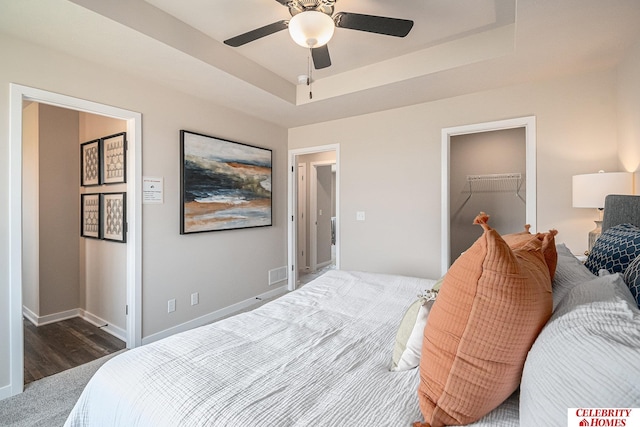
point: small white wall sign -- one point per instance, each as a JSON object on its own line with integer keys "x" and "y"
{"x": 152, "y": 190}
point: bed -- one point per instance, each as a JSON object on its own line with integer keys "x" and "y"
{"x": 321, "y": 356}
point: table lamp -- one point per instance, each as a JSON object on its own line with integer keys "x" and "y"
{"x": 590, "y": 190}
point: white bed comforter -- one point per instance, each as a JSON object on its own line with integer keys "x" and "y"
{"x": 315, "y": 357}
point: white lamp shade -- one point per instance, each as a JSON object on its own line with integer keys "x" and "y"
{"x": 311, "y": 28}
{"x": 590, "y": 190}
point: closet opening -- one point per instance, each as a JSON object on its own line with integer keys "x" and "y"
{"x": 488, "y": 167}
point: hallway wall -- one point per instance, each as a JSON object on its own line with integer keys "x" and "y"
{"x": 51, "y": 210}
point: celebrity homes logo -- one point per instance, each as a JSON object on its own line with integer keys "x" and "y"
{"x": 603, "y": 417}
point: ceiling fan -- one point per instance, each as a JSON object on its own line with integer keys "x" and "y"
{"x": 312, "y": 24}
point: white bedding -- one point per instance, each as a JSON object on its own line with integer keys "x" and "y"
{"x": 319, "y": 356}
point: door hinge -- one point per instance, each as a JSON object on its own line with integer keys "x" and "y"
{"x": 126, "y": 310}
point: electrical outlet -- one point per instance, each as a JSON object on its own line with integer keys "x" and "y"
{"x": 171, "y": 305}
{"x": 194, "y": 298}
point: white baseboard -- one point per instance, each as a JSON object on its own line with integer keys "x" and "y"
{"x": 5, "y": 392}
{"x": 114, "y": 330}
{"x": 49, "y": 318}
{"x": 323, "y": 264}
{"x": 70, "y": 314}
{"x": 213, "y": 316}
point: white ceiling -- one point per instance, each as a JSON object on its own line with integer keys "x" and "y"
{"x": 455, "y": 47}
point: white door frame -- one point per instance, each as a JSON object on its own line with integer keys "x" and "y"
{"x": 301, "y": 202}
{"x": 529, "y": 123}
{"x": 292, "y": 204}
{"x": 313, "y": 210}
{"x": 18, "y": 94}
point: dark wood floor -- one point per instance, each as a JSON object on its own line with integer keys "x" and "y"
{"x": 59, "y": 346}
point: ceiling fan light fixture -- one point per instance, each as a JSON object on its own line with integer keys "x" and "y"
{"x": 311, "y": 28}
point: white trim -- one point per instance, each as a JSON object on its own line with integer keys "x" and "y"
{"x": 323, "y": 264}
{"x": 30, "y": 315}
{"x": 529, "y": 123}
{"x": 103, "y": 324}
{"x": 50, "y": 318}
{"x": 5, "y": 392}
{"x": 214, "y": 316}
{"x": 292, "y": 206}
{"x": 70, "y": 314}
{"x": 18, "y": 94}
{"x": 302, "y": 259}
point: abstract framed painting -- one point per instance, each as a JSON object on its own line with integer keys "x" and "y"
{"x": 224, "y": 185}
{"x": 90, "y": 216}
{"x": 114, "y": 159}
{"x": 90, "y": 163}
{"x": 113, "y": 215}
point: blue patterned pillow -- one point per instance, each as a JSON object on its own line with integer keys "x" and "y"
{"x": 615, "y": 249}
{"x": 632, "y": 279}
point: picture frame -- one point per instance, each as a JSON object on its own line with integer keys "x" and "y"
{"x": 224, "y": 185}
{"x": 113, "y": 214}
{"x": 114, "y": 158}
{"x": 90, "y": 225}
{"x": 90, "y": 163}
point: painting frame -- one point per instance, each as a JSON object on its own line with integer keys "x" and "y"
{"x": 113, "y": 158}
{"x": 90, "y": 210}
{"x": 90, "y": 163}
{"x": 224, "y": 185}
{"x": 113, "y": 216}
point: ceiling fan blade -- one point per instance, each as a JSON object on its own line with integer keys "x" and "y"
{"x": 321, "y": 58}
{"x": 257, "y": 34}
{"x": 373, "y": 24}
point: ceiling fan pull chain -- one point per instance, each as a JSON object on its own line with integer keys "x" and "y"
{"x": 309, "y": 69}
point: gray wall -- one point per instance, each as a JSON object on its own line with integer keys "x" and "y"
{"x": 103, "y": 281}
{"x": 224, "y": 267}
{"x": 59, "y": 209}
{"x": 496, "y": 152}
{"x": 51, "y": 210}
{"x": 391, "y": 166}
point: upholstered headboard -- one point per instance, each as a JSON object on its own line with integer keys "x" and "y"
{"x": 620, "y": 209}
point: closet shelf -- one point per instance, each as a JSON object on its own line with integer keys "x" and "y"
{"x": 495, "y": 183}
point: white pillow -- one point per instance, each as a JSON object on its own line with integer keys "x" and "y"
{"x": 408, "y": 345}
{"x": 587, "y": 356}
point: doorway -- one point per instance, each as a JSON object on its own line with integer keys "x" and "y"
{"x": 314, "y": 212}
{"x": 19, "y": 95}
{"x": 63, "y": 277}
{"x": 463, "y": 185}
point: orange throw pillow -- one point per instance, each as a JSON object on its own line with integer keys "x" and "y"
{"x": 548, "y": 244}
{"x": 493, "y": 303}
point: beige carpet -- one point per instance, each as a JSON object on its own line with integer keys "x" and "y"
{"x": 48, "y": 402}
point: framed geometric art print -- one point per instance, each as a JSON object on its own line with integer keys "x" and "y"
{"x": 90, "y": 216}
{"x": 113, "y": 216}
{"x": 90, "y": 163}
{"x": 114, "y": 159}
